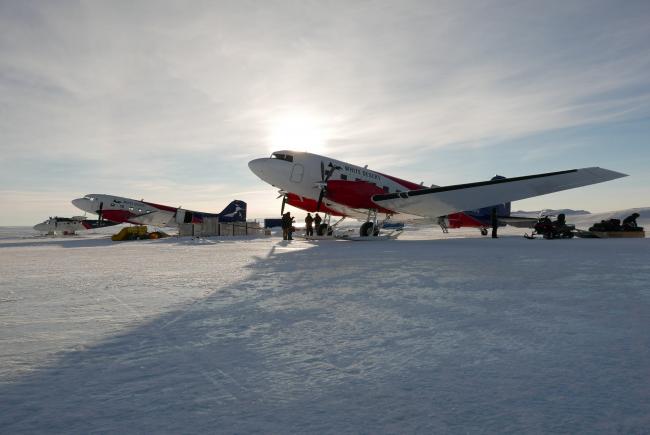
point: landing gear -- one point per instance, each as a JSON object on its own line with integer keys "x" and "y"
{"x": 484, "y": 231}
{"x": 442, "y": 222}
{"x": 369, "y": 229}
{"x": 324, "y": 230}
{"x": 371, "y": 226}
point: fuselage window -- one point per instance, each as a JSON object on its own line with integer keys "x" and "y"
{"x": 344, "y": 177}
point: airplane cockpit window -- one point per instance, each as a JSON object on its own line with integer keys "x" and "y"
{"x": 90, "y": 198}
{"x": 287, "y": 157}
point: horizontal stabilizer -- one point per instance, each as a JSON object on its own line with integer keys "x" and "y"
{"x": 440, "y": 201}
{"x": 518, "y": 222}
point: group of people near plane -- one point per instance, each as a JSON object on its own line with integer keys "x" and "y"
{"x": 310, "y": 222}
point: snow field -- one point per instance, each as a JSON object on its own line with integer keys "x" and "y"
{"x": 468, "y": 335}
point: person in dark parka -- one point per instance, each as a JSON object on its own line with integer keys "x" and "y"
{"x": 630, "y": 222}
{"x": 286, "y": 222}
{"x": 494, "y": 221}
{"x": 309, "y": 230}
{"x": 317, "y": 221}
{"x": 290, "y": 228}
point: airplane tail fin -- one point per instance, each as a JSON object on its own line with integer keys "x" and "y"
{"x": 234, "y": 212}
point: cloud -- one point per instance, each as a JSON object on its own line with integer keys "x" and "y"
{"x": 136, "y": 90}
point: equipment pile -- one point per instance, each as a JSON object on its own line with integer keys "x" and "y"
{"x": 138, "y": 232}
{"x": 612, "y": 228}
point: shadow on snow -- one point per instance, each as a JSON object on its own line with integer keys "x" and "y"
{"x": 445, "y": 335}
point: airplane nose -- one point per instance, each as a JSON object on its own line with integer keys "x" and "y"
{"x": 257, "y": 166}
{"x": 79, "y": 203}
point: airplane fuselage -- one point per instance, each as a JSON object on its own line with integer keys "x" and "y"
{"x": 120, "y": 209}
{"x": 349, "y": 187}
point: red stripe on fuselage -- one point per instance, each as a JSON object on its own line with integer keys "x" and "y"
{"x": 161, "y": 207}
{"x": 408, "y": 184}
{"x": 118, "y": 216}
{"x": 309, "y": 205}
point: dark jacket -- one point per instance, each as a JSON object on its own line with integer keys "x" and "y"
{"x": 287, "y": 220}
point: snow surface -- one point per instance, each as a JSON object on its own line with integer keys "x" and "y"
{"x": 426, "y": 334}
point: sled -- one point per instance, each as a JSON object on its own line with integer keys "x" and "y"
{"x": 611, "y": 234}
{"x": 315, "y": 238}
{"x": 393, "y": 235}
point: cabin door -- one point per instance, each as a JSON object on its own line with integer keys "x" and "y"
{"x": 297, "y": 172}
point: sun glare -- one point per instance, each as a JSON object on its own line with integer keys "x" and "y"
{"x": 297, "y": 131}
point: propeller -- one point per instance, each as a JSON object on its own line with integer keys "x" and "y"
{"x": 282, "y": 195}
{"x": 325, "y": 176}
{"x": 100, "y": 214}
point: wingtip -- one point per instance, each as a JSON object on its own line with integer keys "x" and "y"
{"x": 606, "y": 174}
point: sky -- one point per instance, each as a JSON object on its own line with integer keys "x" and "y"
{"x": 169, "y": 100}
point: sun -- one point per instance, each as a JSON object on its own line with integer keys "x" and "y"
{"x": 298, "y": 131}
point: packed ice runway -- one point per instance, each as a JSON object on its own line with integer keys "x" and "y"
{"x": 453, "y": 335}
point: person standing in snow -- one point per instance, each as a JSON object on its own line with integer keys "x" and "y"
{"x": 317, "y": 221}
{"x": 495, "y": 222}
{"x": 309, "y": 230}
{"x": 290, "y": 228}
{"x": 286, "y": 224}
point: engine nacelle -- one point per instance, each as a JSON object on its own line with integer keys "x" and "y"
{"x": 354, "y": 194}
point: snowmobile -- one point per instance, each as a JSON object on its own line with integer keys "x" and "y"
{"x": 550, "y": 229}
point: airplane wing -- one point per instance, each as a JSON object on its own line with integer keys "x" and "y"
{"x": 158, "y": 218}
{"x": 440, "y": 201}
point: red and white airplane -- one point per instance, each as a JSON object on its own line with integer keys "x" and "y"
{"x": 117, "y": 209}
{"x": 313, "y": 183}
{"x": 69, "y": 226}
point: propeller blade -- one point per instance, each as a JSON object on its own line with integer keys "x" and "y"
{"x": 325, "y": 176}
{"x": 100, "y": 214}
{"x": 331, "y": 170}
{"x": 320, "y": 199}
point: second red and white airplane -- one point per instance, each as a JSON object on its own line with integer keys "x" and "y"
{"x": 313, "y": 183}
{"x": 126, "y": 210}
